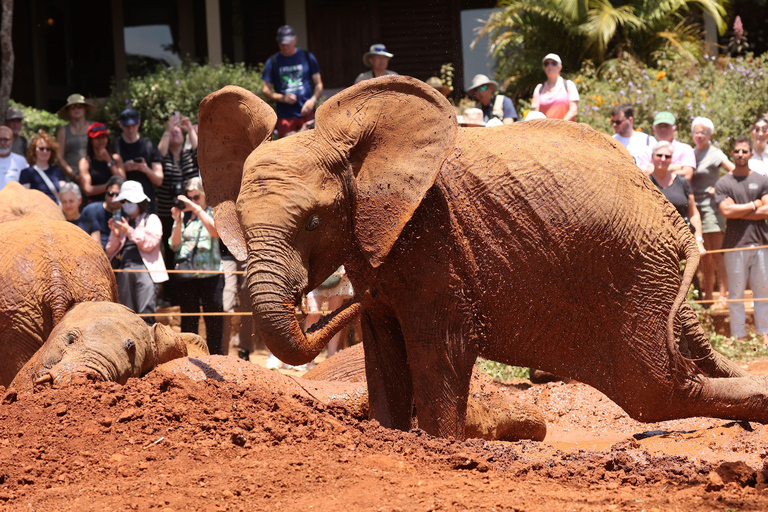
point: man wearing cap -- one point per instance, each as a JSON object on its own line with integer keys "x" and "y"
{"x": 11, "y": 164}
{"x": 638, "y": 144}
{"x": 683, "y": 157}
{"x": 13, "y": 120}
{"x": 494, "y": 105}
{"x": 292, "y": 80}
{"x": 377, "y": 59}
{"x": 141, "y": 159}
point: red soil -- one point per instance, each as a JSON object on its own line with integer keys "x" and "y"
{"x": 164, "y": 443}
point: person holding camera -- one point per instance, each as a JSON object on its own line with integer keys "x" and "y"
{"x": 134, "y": 244}
{"x": 196, "y": 243}
{"x": 179, "y": 166}
{"x": 141, "y": 159}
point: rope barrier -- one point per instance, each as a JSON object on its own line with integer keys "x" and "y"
{"x": 223, "y": 313}
{"x": 715, "y": 251}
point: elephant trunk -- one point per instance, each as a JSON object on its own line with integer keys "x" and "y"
{"x": 274, "y": 313}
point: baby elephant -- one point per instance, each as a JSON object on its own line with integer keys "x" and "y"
{"x": 107, "y": 341}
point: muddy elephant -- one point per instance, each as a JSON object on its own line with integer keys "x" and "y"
{"x": 491, "y": 415}
{"x": 46, "y": 267}
{"x": 17, "y": 200}
{"x": 104, "y": 341}
{"x": 537, "y": 244}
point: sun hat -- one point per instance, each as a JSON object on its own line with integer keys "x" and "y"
{"x": 76, "y": 99}
{"x": 435, "y": 82}
{"x": 14, "y": 113}
{"x": 479, "y": 81}
{"x": 129, "y": 117}
{"x": 97, "y": 129}
{"x": 285, "y": 34}
{"x": 552, "y": 56}
{"x": 132, "y": 191}
{"x": 376, "y": 49}
{"x": 664, "y": 118}
{"x": 472, "y": 117}
{"x": 534, "y": 114}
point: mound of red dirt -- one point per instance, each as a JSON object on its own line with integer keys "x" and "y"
{"x": 169, "y": 443}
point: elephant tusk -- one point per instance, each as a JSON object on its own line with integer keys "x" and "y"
{"x": 45, "y": 378}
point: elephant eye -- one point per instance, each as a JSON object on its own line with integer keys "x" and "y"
{"x": 313, "y": 222}
{"x": 71, "y": 338}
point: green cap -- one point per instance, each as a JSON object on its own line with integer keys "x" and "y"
{"x": 664, "y": 118}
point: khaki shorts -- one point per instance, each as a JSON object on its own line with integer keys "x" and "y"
{"x": 711, "y": 220}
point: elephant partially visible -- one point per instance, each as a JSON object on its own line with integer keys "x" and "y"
{"x": 105, "y": 341}
{"x": 538, "y": 244}
{"x": 46, "y": 267}
{"x": 490, "y": 414}
{"x": 17, "y": 200}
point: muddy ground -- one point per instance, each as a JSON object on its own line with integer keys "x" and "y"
{"x": 171, "y": 444}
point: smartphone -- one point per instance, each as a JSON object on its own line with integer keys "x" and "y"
{"x": 137, "y": 160}
{"x": 117, "y": 216}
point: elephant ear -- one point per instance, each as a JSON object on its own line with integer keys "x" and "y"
{"x": 232, "y": 123}
{"x": 396, "y": 132}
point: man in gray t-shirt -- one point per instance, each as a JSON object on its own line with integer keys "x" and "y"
{"x": 742, "y": 198}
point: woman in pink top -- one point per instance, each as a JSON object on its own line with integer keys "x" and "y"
{"x": 556, "y": 98}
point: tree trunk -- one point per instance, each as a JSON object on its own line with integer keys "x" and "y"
{"x": 6, "y": 68}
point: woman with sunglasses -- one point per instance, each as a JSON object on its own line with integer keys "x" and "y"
{"x": 72, "y": 137}
{"x": 709, "y": 163}
{"x": 759, "y": 160}
{"x": 676, "y": 189}
{"x": 43, "y": 174}
{"x": 556, "y": 98}
{"x": 99, "y": 164}
{"x": 195, "y": 240}
{"x": 134, "y": 244}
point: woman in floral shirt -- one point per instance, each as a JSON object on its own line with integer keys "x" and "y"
{"x": 194, "y": 237}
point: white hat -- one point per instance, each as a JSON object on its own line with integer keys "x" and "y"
{"x": 133, "y": 192}
{"x": 376, "y": 49}
{"x": 552, "y": 56}
{"x": 479, "y": 81}
{"x": 472, "y": 117}
{"x": 534, "y": 114}
{"x": 494, "y": 122}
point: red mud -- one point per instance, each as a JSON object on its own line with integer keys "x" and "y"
{"x": 169, "y": 443}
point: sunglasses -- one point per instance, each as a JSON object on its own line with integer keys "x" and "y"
{"x": 740, "y": 151}
{"x": 4, "y": 140}
{"x": 758, "y": 129}
{"x": 43, "y": 149}
{"x": 113, "y": 194}
{"x": 482, "y": 88}
{"x": 97, "y": 129}
{"x": 617, "y": 121}
{"x": 550, "y": 63}
{"x": 194, "y": 198}
{"x": 662, "y": 156}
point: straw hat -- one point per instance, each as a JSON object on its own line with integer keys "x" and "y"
{"x": 76, "y": 99}
{"x": 438, "y": 84}
{"x": 479, "y": 81}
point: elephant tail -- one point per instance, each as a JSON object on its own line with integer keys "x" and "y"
{"x": 690, "y": 253}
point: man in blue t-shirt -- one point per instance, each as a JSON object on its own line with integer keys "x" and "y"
{"x": 292, "y": 80}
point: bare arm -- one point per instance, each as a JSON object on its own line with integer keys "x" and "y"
{"x": 728, "y": 165}
{"x": 686, "y": 171}
{"x": 695, "y": 219}
{"x": 309, "y": 105}
{"x": 276, "y": 96}
{"x": 535, "y": 100}
{"x": 85, "y": 179}
{"x": 153, "y": 171}
{"x": 761, "y": 212}
{"x": 573, "y": 109}
{"x": 118, "y": 169}
{"x": 731, "y": 210}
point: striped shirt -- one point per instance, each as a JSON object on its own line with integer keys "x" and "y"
{"x": 175, "y": 176}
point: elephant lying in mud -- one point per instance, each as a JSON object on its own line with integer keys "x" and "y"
{"x": 538, "y": 244}
{"x": 46, "y": 267}
{"x": 106, "y": 341}
{"x": 490, "y": 415}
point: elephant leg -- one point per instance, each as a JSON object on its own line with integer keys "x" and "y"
{"x": 390, "y": 392}
{"x": 734, "y": 398}
{"x": 442, "y": 370}
{"x": 707, "y": 359}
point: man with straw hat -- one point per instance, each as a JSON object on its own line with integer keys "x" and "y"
{"x": 494, "y": 105}
{"x": 377, "y": 59}
{"x": 73, "y": 137}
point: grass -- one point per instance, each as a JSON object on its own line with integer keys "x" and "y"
{"x": 501, "y": 372}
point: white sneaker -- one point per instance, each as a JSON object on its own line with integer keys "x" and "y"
{"x": 273, "y": 363}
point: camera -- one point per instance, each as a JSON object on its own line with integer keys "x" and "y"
{"x": 178, "y": 190}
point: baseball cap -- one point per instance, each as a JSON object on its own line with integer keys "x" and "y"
{"x": 129, "y": 117}
{"x": 285, "y": 34}
{"x": 97, "y": 129}
{"x": 14, "y": 113}
{"x": 552, "y": 56}
{"x": 664, "y": 118}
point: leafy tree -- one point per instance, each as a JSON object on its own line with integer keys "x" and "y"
{"x": 600, "y": 31}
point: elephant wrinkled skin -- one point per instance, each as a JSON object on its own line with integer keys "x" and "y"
{"x": 464, "y": 243}
{"x": 46, "y": 267}
{"x": 106, "y": 341}
{"x": 17, "y": 200}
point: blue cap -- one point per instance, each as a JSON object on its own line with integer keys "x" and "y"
{"x": 129, "y": 117}
{"x": 285, "y": 34}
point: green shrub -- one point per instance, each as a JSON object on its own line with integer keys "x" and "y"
{"x": 157, "y": 95}
{"x": 500, "y": 371}
{"x": 36, "y": 120}
{"x": 732, "y": 92}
